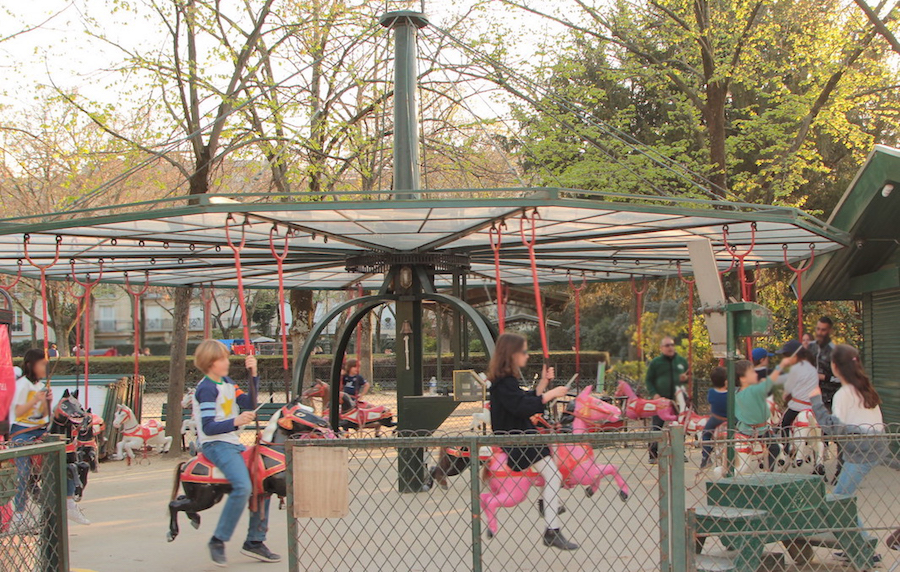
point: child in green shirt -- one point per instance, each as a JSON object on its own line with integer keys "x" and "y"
{"x": 750, "y": 407}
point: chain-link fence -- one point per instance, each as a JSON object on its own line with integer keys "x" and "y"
{"x": 678, "y": 515}
{"x": 445, "y": 527}
{"x": 33, "y": 528}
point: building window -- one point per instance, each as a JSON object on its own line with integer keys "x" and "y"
{"x": 18, "y": 324}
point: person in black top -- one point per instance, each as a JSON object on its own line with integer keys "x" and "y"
{"x": 354, "y": 384}
{"x": 822, "y": 352}
{"x": 511, "y": 410}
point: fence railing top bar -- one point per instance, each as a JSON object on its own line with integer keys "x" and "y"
{"x": 14, "y": 452}
{"x": 484, "y": 440}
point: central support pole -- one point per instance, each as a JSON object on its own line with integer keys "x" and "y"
{"x": 411, "y": 461}
{"x": 405, "y": 24}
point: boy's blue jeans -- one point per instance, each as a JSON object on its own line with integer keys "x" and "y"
{"x": 227, "y": 457}
{"x": 23, "y": 464}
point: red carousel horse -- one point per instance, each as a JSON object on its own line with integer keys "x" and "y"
{"x": 355, "y": 414}
{"x": 204, "y": 485}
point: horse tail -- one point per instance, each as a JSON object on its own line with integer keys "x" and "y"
{"x": 177, "y": 480}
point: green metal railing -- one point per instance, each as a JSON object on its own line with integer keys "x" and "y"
{"x": 34, "y": 538}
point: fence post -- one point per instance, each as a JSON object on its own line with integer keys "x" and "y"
{"x": 475, "y": 490}
{"x": 54, "y": 528}
{"x": 291, "y": 521}
{"x": 664, "y": 460}
{"x": 677, "y": 508}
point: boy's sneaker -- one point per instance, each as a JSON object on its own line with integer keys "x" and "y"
{"x": 259, "y": 551}
{"x": 217, "y": 553}
{"x": 74, "y": 513}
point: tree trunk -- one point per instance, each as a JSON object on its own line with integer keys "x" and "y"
{"x": 303, "y": 310}
{"x": 714, "y": 117}
{"x": 366, "y": 366}
{"x": 177, "y": 366}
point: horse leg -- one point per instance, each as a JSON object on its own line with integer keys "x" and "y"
{"x": 196, "y": 499}
{"x": 819, "y": 454}
{"x": 489, "y": 505}
{"x": 613, "y": 471}
{"x": 168, "y": 444}
{"x": 83, "y": 470}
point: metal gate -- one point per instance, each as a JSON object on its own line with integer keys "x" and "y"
{"x": 33, "y": 529}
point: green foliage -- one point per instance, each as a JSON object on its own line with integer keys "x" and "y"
{"x": 808, "y": 93}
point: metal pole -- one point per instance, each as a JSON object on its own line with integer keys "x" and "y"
{"x": 293, "y": 544}
{"x": 475, "y": 490}
{"x": 730, "y": 350}
{"x": 678, "y": 510}
{"x": 405, "y": 23}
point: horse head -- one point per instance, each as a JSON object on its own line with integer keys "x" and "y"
{"x": 319, "y": 389}
{"x": 625, "y": 390}
{"x": 188, "y": 399}
{"x": 681, "y": 399}
{"x": 296, "y": 418}
{"x": 590, "y": 408}
{"x": 68, "y": 410}
{"x": 123, "y": 414}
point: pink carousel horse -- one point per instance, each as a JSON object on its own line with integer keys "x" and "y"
{"x": 640, "y": 408}
{"x": 508, "y": 488}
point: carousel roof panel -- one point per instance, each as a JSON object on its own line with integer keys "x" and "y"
{"x": 605, "y": 236}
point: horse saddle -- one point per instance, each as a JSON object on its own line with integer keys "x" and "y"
{"x": 201, "y": 470}
{"x": 146, "y": 431}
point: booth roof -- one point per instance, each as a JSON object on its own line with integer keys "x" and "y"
{"x": 183, "y": 241}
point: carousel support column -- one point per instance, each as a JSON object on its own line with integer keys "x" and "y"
{"x": 456, "y": 323}
{"x": 405, "y": 25}
{"x": 411, "y": 462}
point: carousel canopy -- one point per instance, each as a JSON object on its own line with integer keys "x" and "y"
{"x": 336, "y": 243}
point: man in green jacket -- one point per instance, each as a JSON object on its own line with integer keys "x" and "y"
{"x": 664, "y": 372}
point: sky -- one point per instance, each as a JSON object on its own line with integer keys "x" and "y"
{"x": 62, "y": 53}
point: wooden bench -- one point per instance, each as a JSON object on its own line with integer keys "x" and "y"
{"x": 747, "y": 513}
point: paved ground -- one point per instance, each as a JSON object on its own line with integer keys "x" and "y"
{"x": 128, "y": 507}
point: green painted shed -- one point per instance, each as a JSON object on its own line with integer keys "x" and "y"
{"x": 869, "y": 269}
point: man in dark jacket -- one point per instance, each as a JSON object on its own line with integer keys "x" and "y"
{"x": 664, "y": 373}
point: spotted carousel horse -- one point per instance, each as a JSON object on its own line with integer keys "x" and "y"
{"x": 355, "y": 414}
{"x": 640, "y": 408}
{"x": 87, "y": 441}
{"x": 144, "y": 435}
{"x": 807, "y": 443}
{"x": 508, "y": 488}
{"x": 66, "y": 420}
{"x": 204, "y": 485}
{"x": 693, "y": 422}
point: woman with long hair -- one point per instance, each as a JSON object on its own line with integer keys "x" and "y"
{"x": 511, "y": 410}
{"x": 856, "y": 411}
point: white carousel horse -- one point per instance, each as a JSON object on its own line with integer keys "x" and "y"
{"x": 189, "y": 425}
{"x": 693, "y": 422}
{"x": 480, "y": 419}
{"x": 149, "y": 434}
